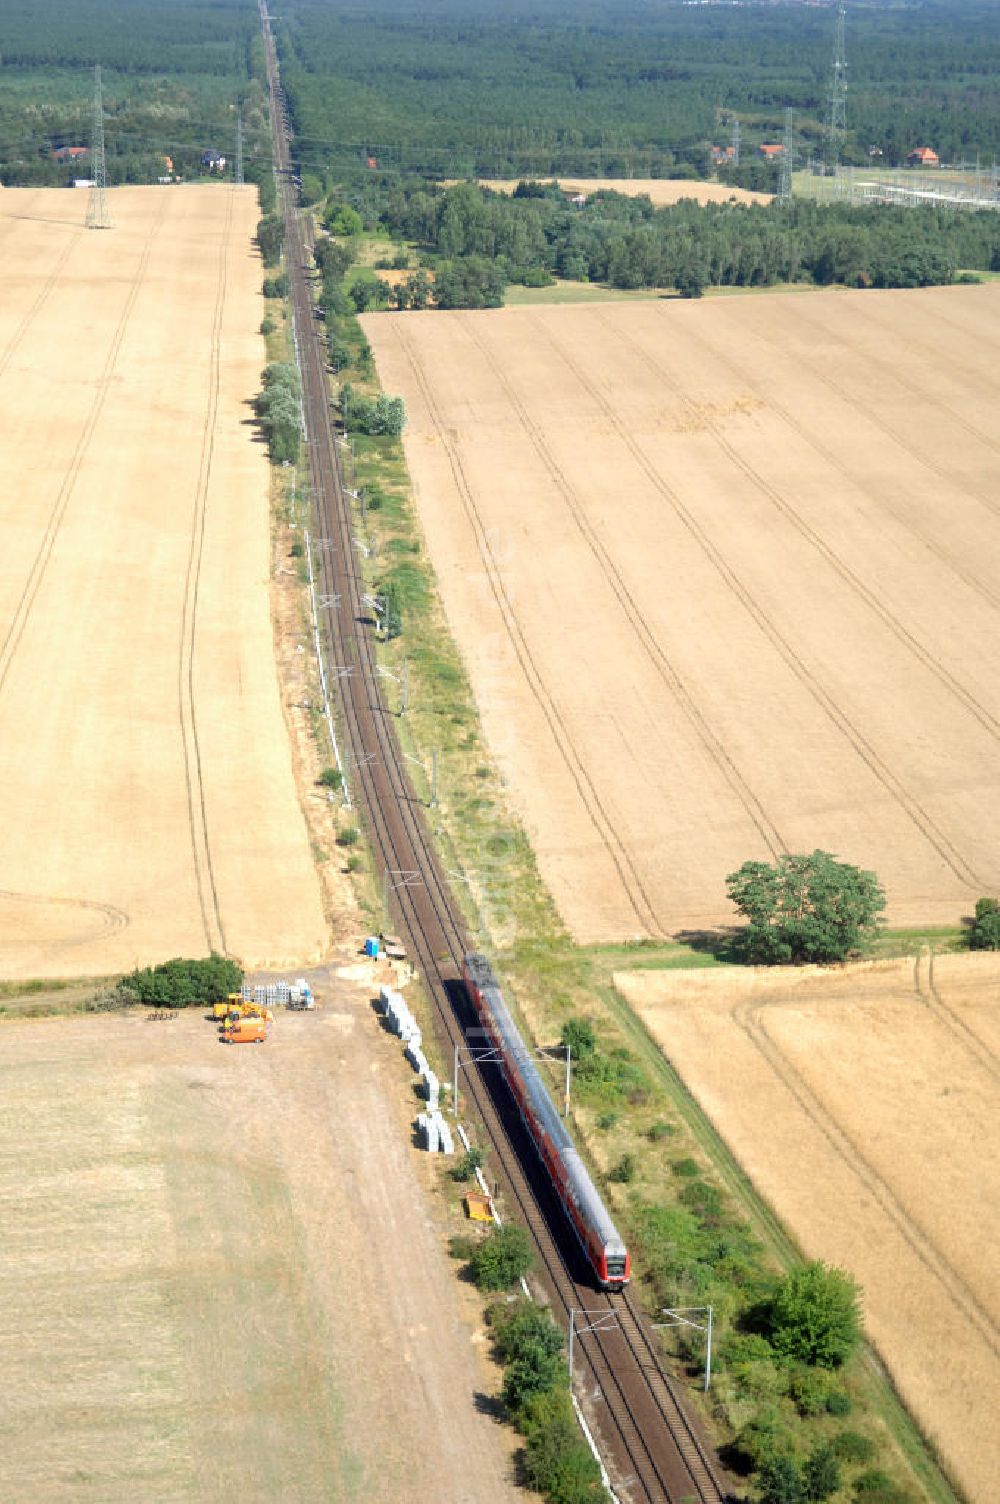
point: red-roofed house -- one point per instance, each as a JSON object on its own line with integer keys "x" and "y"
{"x": 923, "y": 156}
{"x": 69, "y": 153}
{"x": 771, "y": 150}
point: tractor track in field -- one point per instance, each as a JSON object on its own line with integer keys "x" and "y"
{"x": 36, "y": 573}
{"x": 785, "y": 649}
{"x": 927, "y": 991}
{"x": 751, "y": 1018}
{"x": 642, "y": 905}
{"x": 194, "y": 783}
{"x": 39, "y": 300}
{"x": 904, "y": 440}
{"x": 840, "y": 567}
{"x": 652, "y": 1443}
{"x": 674, "y": 682}
{"x": 855, "y": 480}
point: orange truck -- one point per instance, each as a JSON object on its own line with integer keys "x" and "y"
{"x": 245, "y": 1031}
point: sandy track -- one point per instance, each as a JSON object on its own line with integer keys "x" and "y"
{"x": 662, "y": 191}
{"x": 148, "y": 806}
{"x": 234, "y": 1285}
{"x": 722, "y": 575}
{"x": 866, "y": 1116}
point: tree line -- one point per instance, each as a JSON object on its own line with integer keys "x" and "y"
{"x": 477, "y": 241}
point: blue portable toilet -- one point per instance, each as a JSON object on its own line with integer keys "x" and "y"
{"x": 371, "y": 947}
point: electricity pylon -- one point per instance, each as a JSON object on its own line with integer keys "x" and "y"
{"x": 98, "y": 216}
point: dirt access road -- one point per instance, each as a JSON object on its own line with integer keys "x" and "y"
{"x": 866, "y": 1115}
{"x": 724, "y": 575}
{"x": 222, "y": 1274}
{"x": 147, "y": 806}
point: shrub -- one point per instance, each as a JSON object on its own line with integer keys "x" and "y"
{"x": 873, "y": 1481}
{"x": 985, "y": 931}
{"x": 466, "y": 1167}
{"x": 372, "y": 415}
{"x": 851, "y": 1446}
{"x": 341, "y": 219}
{"x": 348, "y": 836}
{"x": 624, "y": 1171}
{"x": 607, "y": 1121}
{"x": 353, "y": 864}
{"x": 276, "y": 287}
{"x": 704, "y": 1200}
{"x": 270, "y": 238}
{"x": 183, "y": 983}
{"x": 660, "y": 1130}
{"x": 686, "y": 1169}
{"x": 814, "y": 1316}
{"x": 810, "y": 1389}
{"x": 557, "y": 1461}
{"x": 579, "y": 1034}
{"x": 298, "y": 549}
{"x": 838, "y": 1402}
{"x": 821, "y": 1474}
{"x": 267, "y": 325}
{"x": 537, "y": 1366}
{"x": 780, "y": 1481}
{"x": 502, "y": 1258}
{"x": 331, "y": 778}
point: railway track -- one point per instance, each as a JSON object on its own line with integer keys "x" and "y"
{"x": 649, "y": 1440}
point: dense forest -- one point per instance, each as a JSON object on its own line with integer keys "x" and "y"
{"x": 641, "y": 88}
{"x": 173, "y": 78}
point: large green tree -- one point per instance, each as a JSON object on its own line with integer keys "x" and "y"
{"x": 805, "y": 908}
{"x": 815, "y": 1315}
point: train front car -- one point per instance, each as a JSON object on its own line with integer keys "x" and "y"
{"x": 591, "y": 1221}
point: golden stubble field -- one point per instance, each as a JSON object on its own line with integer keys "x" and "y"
{"x": 147, "y": 805}
{"x": 223, "y": 1275}
{"x": 863, "y": 1104}
{"x": 726, "y": 577}
{"x": 661, "y": 191}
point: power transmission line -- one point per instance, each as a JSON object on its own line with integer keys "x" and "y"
{"x": 787, "y": 156}
{"x": 98, "y": 217}
{"x": 837, "y": 118}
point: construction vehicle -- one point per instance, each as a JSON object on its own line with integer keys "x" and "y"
{"x": 245, "y": 1031}
{"x": 233, "y": 1002}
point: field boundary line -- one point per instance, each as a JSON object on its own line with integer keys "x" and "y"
{"x": 752, "y": 805}
{"x": 853, "y": 581}
{"x": 749, "y": 1017}
{"x": 201, "y": 848}
{"x": 36, "y": 573}
{"x": 723, "y": 358}
{"x": 792, "y": 659}
{"x": 581, "y": 779}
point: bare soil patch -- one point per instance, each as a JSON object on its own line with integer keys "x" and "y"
{"x": 662, "y": 191}
{"x": 863, "y": 1104}
{"x": 722, "y": 575}
{"x": 223, "y": 1275}
{"x": 147, "y": 803}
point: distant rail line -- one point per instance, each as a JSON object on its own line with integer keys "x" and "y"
{"x": 651, "y": 1441}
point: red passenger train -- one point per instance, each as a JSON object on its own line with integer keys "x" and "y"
{"x": 601, "y": 1242}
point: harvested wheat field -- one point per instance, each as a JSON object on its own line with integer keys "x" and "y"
{"x": 726, "y": 576}
{"x": 221, "y": 1277}
{"x": 147, "y": 806}
{"x": 661, "y": 191}
{"x": 866, "y": 1114}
